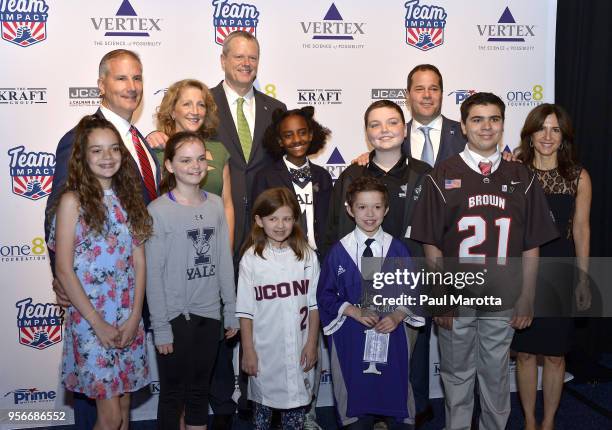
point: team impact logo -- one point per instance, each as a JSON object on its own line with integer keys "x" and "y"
{"x": 424, "y": 25}
{"x": 24, "y": 22}
{"x": 40, "y": 324}
{"x": 200, "y": 239}
{"x": 27, "y": 396}
{"x": 31, "y": 172}
{"x": 230, "y": 17}
{"x": 507, "y": 31}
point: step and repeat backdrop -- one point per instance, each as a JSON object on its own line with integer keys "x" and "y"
{"x": 338, "y": 56}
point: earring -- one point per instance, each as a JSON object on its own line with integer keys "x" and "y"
{"x": 530, "y": 143}
{"x": 562, "y": 146}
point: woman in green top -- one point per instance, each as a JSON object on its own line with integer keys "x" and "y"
{"x": 189, "y": 106}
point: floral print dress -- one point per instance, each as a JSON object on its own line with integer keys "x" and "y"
{"x": 105, "y": 267}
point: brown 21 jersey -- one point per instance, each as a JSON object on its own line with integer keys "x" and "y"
{"x": 468, "y": 215}
{"x": 483, "y": 221}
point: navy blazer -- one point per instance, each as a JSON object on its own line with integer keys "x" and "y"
{"x": 277, "y": 175}
{"x": 452, "y": 140}
{"x": 62, "y": 155}
{"x": 242, "y": 173}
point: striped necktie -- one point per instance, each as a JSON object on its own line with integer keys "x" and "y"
{"x": 485, "y": 167}
{"x": 145, "y": 165}
{"x": 244, "y": 132}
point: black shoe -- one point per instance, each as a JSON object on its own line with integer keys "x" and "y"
{"x": 423, "y": 417}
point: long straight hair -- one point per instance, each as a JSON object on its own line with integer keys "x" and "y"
{"x": 266, "y": 204}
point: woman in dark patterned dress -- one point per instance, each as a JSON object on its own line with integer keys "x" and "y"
{"x": 547, "y": 148}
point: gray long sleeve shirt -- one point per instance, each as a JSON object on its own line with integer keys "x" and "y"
{"x": 189, "y": 264}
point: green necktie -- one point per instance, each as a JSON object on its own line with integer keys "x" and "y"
{"x": 244, "y": 132}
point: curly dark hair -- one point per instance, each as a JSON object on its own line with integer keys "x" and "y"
{"x": 125, "y": 183}
{"x": 272, "y": 138}
{"x": 566, "y": 154}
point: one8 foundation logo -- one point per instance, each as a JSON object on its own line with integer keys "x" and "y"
{"x": 31, "y": 172}
{"x": 35, "y": 251}
{"x": 23, "y": 22}
{"x": 39, "y": 324}
{"x": 230, "y": 17}
{"x": 424, "y": 25}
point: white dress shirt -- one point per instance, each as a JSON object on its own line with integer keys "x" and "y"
{"x": 123, "y": 127}
{"x": 417, "y": 138}
{"x": 248, "y": 107}
{"x": 306, "y": 202}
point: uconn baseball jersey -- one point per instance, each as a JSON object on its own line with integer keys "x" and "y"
{"x": 278, "y": 293}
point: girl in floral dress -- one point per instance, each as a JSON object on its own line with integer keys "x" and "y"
{"x": 100, "y": 225}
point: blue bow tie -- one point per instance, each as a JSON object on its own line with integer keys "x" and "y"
{"x": 301, "y": 176}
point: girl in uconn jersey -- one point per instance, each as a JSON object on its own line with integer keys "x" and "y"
{"x": 189, "y": 272}
{"x": 276, "y": 304}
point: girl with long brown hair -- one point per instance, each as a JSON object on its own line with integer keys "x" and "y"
{"x": 100, "y": 225}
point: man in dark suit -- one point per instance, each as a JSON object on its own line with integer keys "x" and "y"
{"x": 239, "y": 60}
{"x": 432, "y": 138}
{"x": 120, "y": 84}
{"x": 244, "y": 114}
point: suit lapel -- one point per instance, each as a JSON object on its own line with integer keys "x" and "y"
{"x": 406, "y": 145}
{"x": 283, "y": 174}
{"x": 445, "y": 140}
{"x": 262, "y": 119}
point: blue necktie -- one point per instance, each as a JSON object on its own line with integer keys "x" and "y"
{"x": 427, "y": 155}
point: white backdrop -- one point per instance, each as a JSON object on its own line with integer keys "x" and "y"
{"x": 338, "y": 56}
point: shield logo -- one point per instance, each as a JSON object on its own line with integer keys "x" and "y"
{"x": 424, "y": 38}
{"x": 24, "y": 33}
{"x": 222, "y": 32}
{"x": 32, "y": 187}
{"x": 40, "y": 337}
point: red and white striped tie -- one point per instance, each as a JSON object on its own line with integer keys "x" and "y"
{"x": 145, "y": 165}
{"x": 485, "y": 167}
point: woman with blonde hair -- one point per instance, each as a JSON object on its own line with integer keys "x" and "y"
{"x": 188, "y": 105}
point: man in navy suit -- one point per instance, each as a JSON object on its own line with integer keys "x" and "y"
{"x": 432, "y": 138}
{"x": 120, "y": 84}
{"x": 239, "y": 60}
{"x": 244, "y": 114}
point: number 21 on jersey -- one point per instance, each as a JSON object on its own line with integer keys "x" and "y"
{"x": 479, "y": 226}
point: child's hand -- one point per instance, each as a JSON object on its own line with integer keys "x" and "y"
{"x": 389, "y": 323}
{"x": 309, "y": 356}
{"x": 165, "y": 349}
{"x": 106, "y": 333}
{"x": 364, "y": 316}
{"x": 249, "y": 362}
{"x": 230, "y": 333}
{"x": 127, "y": 332}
